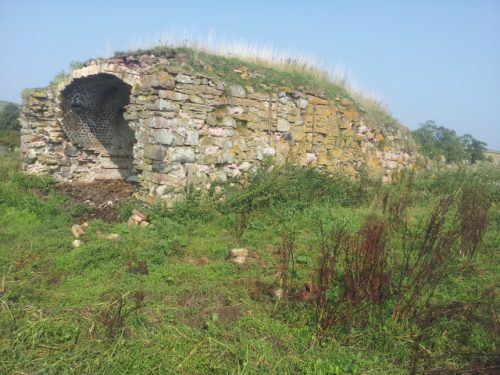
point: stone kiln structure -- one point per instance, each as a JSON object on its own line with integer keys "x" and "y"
{"x": 161, "y": 123}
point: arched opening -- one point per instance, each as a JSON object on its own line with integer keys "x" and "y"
{"x": 93, "y": 120}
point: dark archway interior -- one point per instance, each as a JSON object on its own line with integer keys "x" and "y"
{"x": 93, "y": 109}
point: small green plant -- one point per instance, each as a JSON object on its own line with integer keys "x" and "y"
{"x": 76, "y": 65}
{"x": 58, "y": 78}
{"x": 171, "y": 246}
{"x": 194, "y": 207}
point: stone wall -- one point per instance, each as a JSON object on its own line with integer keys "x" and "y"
{"x": 161, "y": 123}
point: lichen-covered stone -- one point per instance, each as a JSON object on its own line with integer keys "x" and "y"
{"x": 228, "y": 122}
{"x": 172, "y": 95}
{"x": 154, "y": 152}
{"x": 160, "y": 79}
{"x": 182, "y": 78}
{"x": 302, "y": 103}
{"x": 192, "y": 137}
{"x": 283, "y": 125}
{"x": 165, "y": 105}
{"x": 237, "y": 91}
{"x": 181, "y": 154}
{"x": 164, "y": 136}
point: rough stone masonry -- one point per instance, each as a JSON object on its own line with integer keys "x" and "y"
{"x": 161, "y": 123}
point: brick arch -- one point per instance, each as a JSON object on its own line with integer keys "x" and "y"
{"x": 92, "y": 110}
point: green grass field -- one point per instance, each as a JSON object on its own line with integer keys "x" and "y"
{"x": 409, "y": 291}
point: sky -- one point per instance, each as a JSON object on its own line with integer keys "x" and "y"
{"x": 427, "y": 60}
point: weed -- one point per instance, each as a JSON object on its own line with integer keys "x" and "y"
{"x": 286, "y": 186}
{"x": 478, "y": 318}
{"x": 427, "y": 255}
{"x": 118, "y": 308}
{"x": 473, "y": 211}
{"x": 241, "y": 223}
{"x": 171, "y": 246}
{"x": 327, "y": 311}
{"x": 366, "y": 276}
{"x": 286, "y": 257}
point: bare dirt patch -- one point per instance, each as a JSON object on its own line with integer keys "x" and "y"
{"x": 100, "y": 199}
{"x": 202, "y": 306}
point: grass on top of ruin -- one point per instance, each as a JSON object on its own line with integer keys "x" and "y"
{"x": 265, "y": 69}
{"x": 264, "y": 72}
{"x": 341, "y": 277}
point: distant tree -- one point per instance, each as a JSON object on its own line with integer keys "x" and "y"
{"x": 437, "y": 141}
{"x": 9, "y": 117}
{"x": 474, "y": 149}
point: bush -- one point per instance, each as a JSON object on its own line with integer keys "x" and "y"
{"x": 195, "y": 207}
{"x": 286, "y": 186}
{"x": 9, "y": 117}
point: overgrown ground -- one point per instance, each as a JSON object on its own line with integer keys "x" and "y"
{"x": 375, "y": 279}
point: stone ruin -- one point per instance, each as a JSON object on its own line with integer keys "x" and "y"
{"x": 161, "y": 123}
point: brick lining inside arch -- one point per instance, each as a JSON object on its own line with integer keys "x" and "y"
{"x": 93, "y": 109}
{"x": 93, "y": 113}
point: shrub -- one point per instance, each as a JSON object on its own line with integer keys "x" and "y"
{"x": 285, "y": 186}
{"x": 9, "y": 117}
{"x": 195, "y": 207}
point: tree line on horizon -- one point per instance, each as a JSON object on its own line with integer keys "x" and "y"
{"x": 437, "y": 142}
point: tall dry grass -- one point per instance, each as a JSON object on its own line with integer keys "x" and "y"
{"x": 265, "y": 54}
